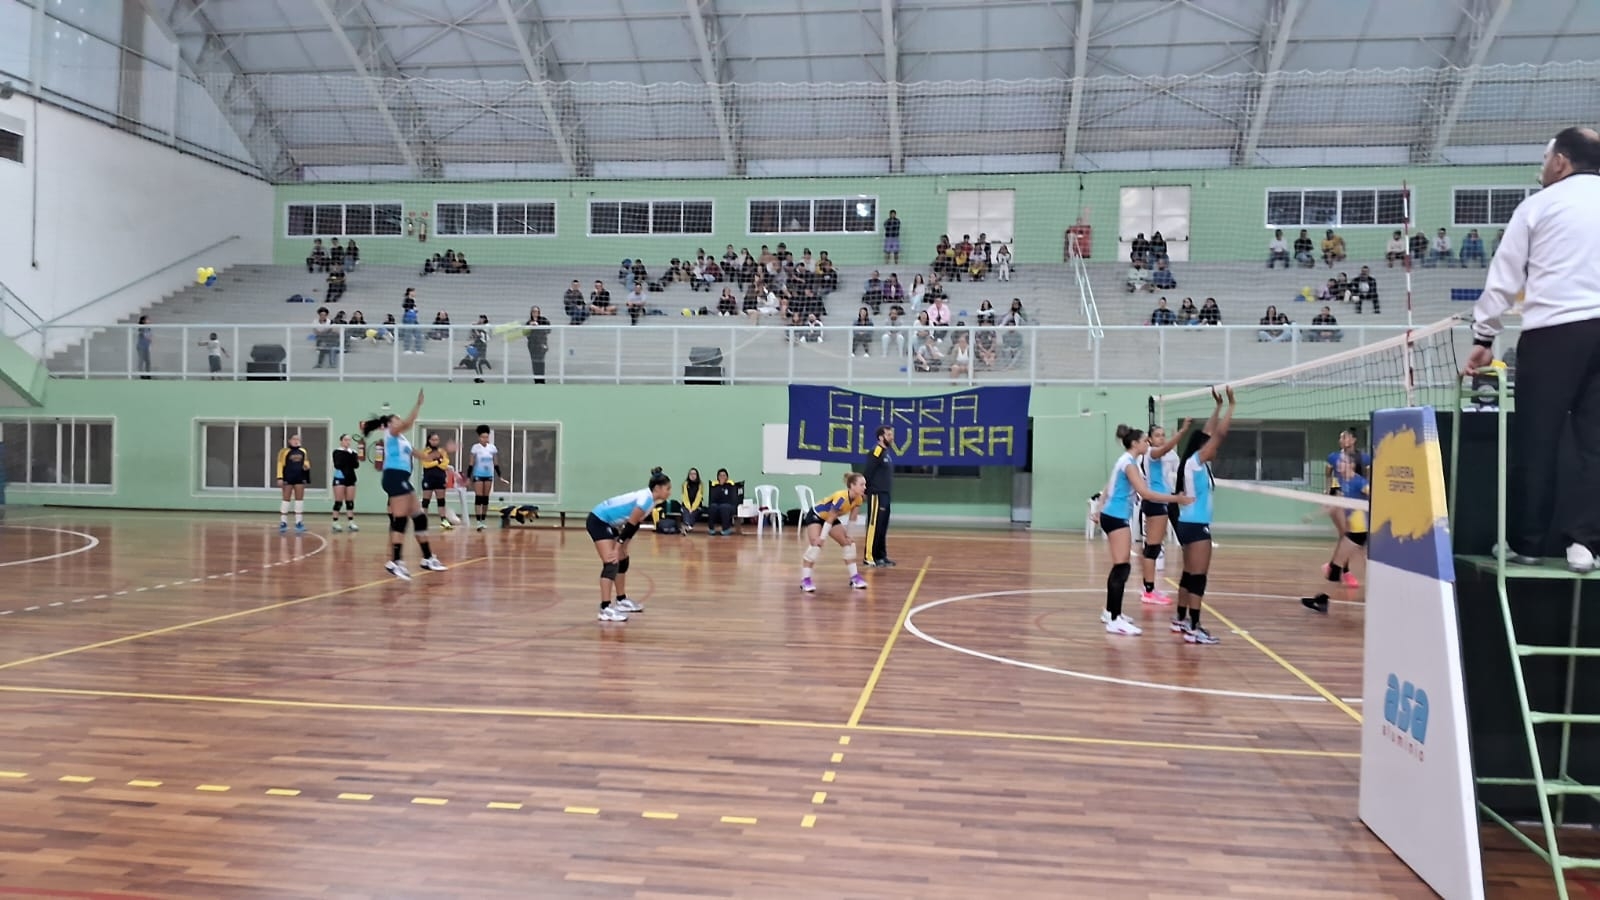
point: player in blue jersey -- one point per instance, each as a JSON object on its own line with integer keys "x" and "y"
{"x": 819, "y": 522}
{"x": 403, "y": 501}
{"x": 1118, "y": 506}
{"x": 1353, "y": 485}
{"x": 1349, "y": 448}
{"x": 1193, "y": 523}
{"x": 1156, "y": 514}
{"x": 611, "y": 524}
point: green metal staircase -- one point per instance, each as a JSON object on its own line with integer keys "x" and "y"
{"x": 1552, "y": 789}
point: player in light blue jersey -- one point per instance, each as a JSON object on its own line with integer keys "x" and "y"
{"x": 1193, "y": 525}
{"x": 611, "y": 524}
{"x": 1155, "y": 514}
{"x": 1120, "y": 503}
{"x": 403, "y": 501}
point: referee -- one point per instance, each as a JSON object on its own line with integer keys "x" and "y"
{"x": 1551, "y": 253}
{"x": 879, "y": 471}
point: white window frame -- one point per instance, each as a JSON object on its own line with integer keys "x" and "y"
{"x": 344, "y": 206}
{"x": 877, "y": 208}
{"x": 465, "y": 431}
{"x": 57, "y": 486}
{"x": 438, "y": 232}
{"x": 1488, "y": 202}
{"x": 588, "y": 217}
{"x": 1257, "y": 429}
{"x": 1266, "y": 206}
{"x": 201, "y": 489}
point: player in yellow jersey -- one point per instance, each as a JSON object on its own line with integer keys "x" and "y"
{"x": 818, "y": 522}
{"x": 294, "y": 472}
{"x": 435, "y": 477}
{"x": 1353, "y": 485}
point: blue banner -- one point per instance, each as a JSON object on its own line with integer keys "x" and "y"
{"x": 985, "y": 426}
{"x": 1410, "y": 523}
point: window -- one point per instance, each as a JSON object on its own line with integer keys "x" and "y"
{"x": 506, "y": 218}
{"x": 937, "y": 471}
{"x": 528, "y": 452}
{"x": 653, "y": 217}
{"x": 1335, "y": 208}
{"x": 10, "y": 145}
{"x": 244, "y": 455}
{"x": 57, "y": 452}
{"x": 846, "y": 215}
{"x": 337, "y": 219}
{"x": 1263, "y": 454}
{"x": 1488, "y": 206}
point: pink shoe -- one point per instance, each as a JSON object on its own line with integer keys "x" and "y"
{"x": 807, "y": 586}
{"x": 857, "y": 582}
{"x": 1350, "y": 581}
{"x": 1155, "y": 598}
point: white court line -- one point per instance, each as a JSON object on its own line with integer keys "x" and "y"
{"x": 1104, "y": 679}
{"x": 93, "y": 542}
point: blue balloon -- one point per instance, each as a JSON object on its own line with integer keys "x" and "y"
{"x": 211, "y": 281}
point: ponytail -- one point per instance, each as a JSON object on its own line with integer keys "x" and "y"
{"x": 368, "y": 426}
{"x": 1128, "y": 436}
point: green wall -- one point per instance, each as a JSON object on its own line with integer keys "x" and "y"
{"x": 611, "y": 436}
{"x": 1228, "y": 212}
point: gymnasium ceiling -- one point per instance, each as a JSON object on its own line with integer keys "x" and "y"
{"x": 594, "y": 86}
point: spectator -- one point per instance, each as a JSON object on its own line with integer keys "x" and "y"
{"x": 724, "y": 504}
{"x": 928, "y": 358}
{"x": 891, "y": 239}
{"x": 1158, "y": 249}
{"x": 441, "y": 327}
{"x": 861, "y": 336}
{"x": 893, "y": 290}
{"x": 1440, "y": 250}
{"x": 477, "y": 358}
{"x": 357, "y": 330}
{"x": 1332, "y": 248}
{"x": 919, "y": 290}
{"x": 326, "y": 338}
{"x": 214, "y": 354}
{"x": 1162, "y": 279}
{"x": 143, "y": 341}
{"x": 600, "y": 300}
{"x": 1139, "y": 250}
{"x": 1419, "y": 246}
{"x": 728, "y": 303}
{"x": 1274, "y": 335}
{"x": 573, "y": 304}
{"x": 1277, "y": 250}
{"x": 1161, "y": 315}
{"x": 1302, "y": 251}
{"x": 827, "y": 275}
{"x": 691, "y": 498}
{"x": 986, "y": 315}
{"x": 1339, "y": 288}
{"x": 1188, "y": 313}
{"x": 336, "y": 254}
{"x": 1498, "y": 237}
{"x": 1210, "y": 312}
{"x": 872, "y": 294}
{"x": 1395, "y": 251}
{"x": 1011, "y": 338}
{"x": 1322, "y": 329}
{"x": 1365, "y": 290}
{"x": 387, "y": 331}
{"x": 1472, "y": 248}
{"x": 894, "y": 333}
{"x": 1138, "y": 279}
{"x": 960, "y": 358}
{"x": 410, "y": 323}
{"x": 538, "y": 342}
{"x": 939, "y": 318}
{"x": 636, "y": 302}
{"x": 986, "y": 347}
{"x": 317, "y": 258}
{"x": 335, "y": 282}
{"x": 1002, "y": 263}
{"x": 352, "y": 255}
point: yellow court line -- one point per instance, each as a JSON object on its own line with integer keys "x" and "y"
{"x": 1288, "y": 666}
{"x": 888, "y": 645}
{"x": 156, "y": 632}
{"x": 675, "y": 720}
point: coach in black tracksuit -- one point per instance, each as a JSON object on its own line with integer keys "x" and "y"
{"x": 879, "y": 471}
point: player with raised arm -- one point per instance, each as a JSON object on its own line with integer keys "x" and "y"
{"x": 1193, "y": 523}
{"x": 1156, "y": 514}
{"x": 1116, "y": 511}
{"x": 403, "y": 502}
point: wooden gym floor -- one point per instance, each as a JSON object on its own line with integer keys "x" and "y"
{"x": 197, "y": 707}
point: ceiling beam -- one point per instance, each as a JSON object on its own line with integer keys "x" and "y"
{"x": 1483, "y": 36}
{"x": 1274, "y": 46}
{"x": 224, "y": 80}
{"x": 537, "y": 64}
{"x": 891, "y": 80}
{"x": 714, "y": 69}
{"x": 1080, "y": 74}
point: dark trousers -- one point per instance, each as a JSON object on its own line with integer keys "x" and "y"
{"x": 536, "y": 359}
{"x": 877, "y": 527}
{"x": 1558, "y": 376}
{"x": 722, "y": 515}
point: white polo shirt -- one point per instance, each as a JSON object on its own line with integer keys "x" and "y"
{"x": 1550, "y": 253}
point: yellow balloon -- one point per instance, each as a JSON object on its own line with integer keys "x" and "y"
{"x": 372, "y": 332}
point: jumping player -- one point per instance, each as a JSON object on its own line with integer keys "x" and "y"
{"x": 294, "y": 471}
{"x": 611, "y": 524}
{"x": 485, "y": 469}
{"x": 818, "y": 522}
{"x": 1156, "y": 514}
{"x": 1117, "y": 510}
{"x": 345, "y": 463}
{"x": 1353, "y": 485}
{"x": 403, "y": 502}
{"x": 435, "y": 478}
{"x": 1193, "y": 523}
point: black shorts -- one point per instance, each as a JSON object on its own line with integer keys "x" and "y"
{"x": 295, "y": 480}
{"x": 1359, "y": 538}
{"x": 1191, "y": 532}
{"x": 811, "y": 518}
{"x": 1110, "y": 524}
{"x": 397, "y": 482}
{"x": 216, "y": 364}
{"x": 483, "y": 479}
{"x": 600, "y": 530}
{"x": 434, "y": 479}
{"x": 1151, "y": 508}
{"x": 344, "y": 479}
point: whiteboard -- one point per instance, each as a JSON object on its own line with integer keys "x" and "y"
{"x": 775, "y": 453}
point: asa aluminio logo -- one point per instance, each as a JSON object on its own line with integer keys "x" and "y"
{"x": 1405, "y": 716}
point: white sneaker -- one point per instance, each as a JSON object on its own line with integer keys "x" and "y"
{"x": 627, "y": 605}
{"x": 481, "y": 526}
{"x": 1580, "y": 559}
{"x": 398, "y": 570}
{"x": 433, "y": 564}
{"x": 610, "y": 614}
{"x": 1121, "y": 625}
{"x": 353, "y": 527}
{"x": 336, "y": 528}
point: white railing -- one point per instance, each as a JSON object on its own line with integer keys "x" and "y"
{"x": 677, "y": 353}
{"x": 1091, "y": 309}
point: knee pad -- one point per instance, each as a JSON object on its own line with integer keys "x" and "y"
{"x": 848, "y": 552}
{"x": 419, "y": 523}
{"x": 608, "y": 572}
{"x": 425, "y": 502}
{"x": 1120, "y": 573}
{"x": 622, "y": 566}
{"x": 338, "y": 505}
{"x": 397, "y": 524}
{"x": 1152, "y": 551}
{"x": 1197, "y": 584}
{"x": 811, "y": 554}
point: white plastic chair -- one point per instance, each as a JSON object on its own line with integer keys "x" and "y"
{"x": 1091, "y": 524}
{"x": 767, "y": 506}
{"x": 808, "y": 500}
